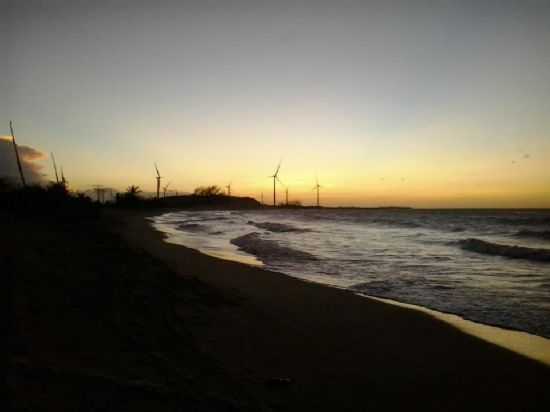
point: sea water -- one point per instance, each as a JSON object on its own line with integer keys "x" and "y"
{"x": 429, "y": 258}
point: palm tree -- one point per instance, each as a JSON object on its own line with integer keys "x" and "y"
{"x": 133, "y": 191}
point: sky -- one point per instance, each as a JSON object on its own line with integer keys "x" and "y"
{"x": 429, "y": 103}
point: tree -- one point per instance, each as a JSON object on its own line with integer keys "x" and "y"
{"x": 208, "y": 191}
{"x": 133, "y": 191}
{"x": 130, "y": 197}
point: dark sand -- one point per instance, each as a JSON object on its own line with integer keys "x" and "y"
{"x": 141, "y": 324}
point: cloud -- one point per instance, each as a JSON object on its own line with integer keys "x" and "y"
{"x": 30, "y": 159}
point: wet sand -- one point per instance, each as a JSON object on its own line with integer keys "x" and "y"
{"x": 340, "y": 351}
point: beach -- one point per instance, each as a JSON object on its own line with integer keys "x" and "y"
{"x": 343, "y": 350}
{"x": 169, "y": 328}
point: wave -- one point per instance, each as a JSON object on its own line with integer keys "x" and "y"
{"x": 277, "y": 227}
{"x": 515, "y": 252}
{"x": 527, "y": 219}
{"x": 538, "y": 234}
{"x": 268, "y": 250}
{"x": 192, "y": 227}
{"x": 407, "y": 224}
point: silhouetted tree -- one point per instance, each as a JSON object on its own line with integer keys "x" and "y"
{"x": 6, "y": 185}
{"x": 133, "y": 191}
{"x": 58, "y": 188}
{"x": 53, "y": 201}
{"x": 129, "y": 198}
{"x": 208, "y": 191}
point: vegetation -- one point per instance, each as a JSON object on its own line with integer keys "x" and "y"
{"x": 208, "y": 191}
{"x": 53, "y": 200}
{"x": 130, "y": 198}
{"x": 56, "y": 200}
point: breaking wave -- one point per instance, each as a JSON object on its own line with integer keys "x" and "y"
{"x": 537, "y": 234}
{"x": 514, "y": 252}
{"x": 268, "y": 249}
{"x": 191, "y": 227}
{"x": 434, "y": 259}
{"x": 277, "y": 227}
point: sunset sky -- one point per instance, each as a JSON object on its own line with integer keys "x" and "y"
{"x": 434, "y": 103}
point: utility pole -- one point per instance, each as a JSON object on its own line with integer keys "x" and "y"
{"x": 63, "y": 177}
{"x": 17, "y": 156}
{"x": 55, "y": 168}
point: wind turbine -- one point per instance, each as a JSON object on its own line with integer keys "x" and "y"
{"x": 275, "y": 177}
{"x": 158, "y": 181}
{"x": 164, "y": 189}
{"x": 286, "y": 193}
{"x": 317, "y": 187}
{"x": 228, "y": 187}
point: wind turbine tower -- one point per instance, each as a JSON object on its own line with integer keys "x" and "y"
{"x": 164, "y": 189}
{"x": 317, "y": 187}
{"x": 228, "y": 187}
{"x": 158, "y": 181}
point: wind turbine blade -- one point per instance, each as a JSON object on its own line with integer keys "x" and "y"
{"x": 157, "y": 169}
{"x": 278, "y": 167}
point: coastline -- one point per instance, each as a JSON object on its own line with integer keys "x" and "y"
{"x": 531, "y": 346}
{"x": 522, "y": 342}
{"x": 318, "y": 336}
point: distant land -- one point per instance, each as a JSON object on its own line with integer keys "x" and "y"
{"x": 238, "y": 202}
{"x": 190, "y": 201}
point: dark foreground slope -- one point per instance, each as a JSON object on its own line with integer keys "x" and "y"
{"x": 92, "y": 325}
{"x": 106, "y": 316}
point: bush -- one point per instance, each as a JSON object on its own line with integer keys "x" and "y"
{"x": 53, "y": 200}
{"x": 208, "y": 191}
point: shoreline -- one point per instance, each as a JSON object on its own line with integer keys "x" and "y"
{"x": 315, "y": 334}
{"x": 523, "y": 343}
{"x": 533, "y": 346}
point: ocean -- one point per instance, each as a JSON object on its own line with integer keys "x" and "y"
{"x": 491, "y": 267}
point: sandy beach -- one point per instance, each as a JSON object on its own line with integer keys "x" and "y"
{"x": 107, "y": 316}
{"x": 342, "y": 351}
